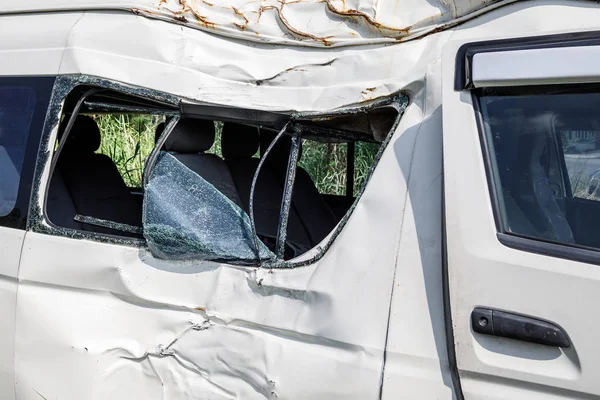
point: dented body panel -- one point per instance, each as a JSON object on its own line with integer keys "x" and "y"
{"x": 205, "y": 329}
{"x": 312, "y": 23}
{"x": 364, "y": 320}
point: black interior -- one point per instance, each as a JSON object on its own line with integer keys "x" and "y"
{"x": 310, "y": 219}
{"x": 88, "y": 184}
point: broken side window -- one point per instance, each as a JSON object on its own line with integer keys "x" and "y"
{"x": 186, "y": 217}
{"x": 288, "y": 212}
{"x": 104, "y": 139}
{"x": 220, "y": 183}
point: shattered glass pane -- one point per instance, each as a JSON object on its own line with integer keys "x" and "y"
{"x": 185, "y": 217}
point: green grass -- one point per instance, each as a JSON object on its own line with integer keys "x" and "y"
{"x": 129, "y": 139}
{"x": 326, "y": 164}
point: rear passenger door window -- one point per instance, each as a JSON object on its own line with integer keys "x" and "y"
{"x": 17, "y": 105}
{"x": 23, "y": 105}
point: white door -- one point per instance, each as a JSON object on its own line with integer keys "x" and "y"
{"x": 11, "y": 241}
{"x": 521, "y": 156}
{"x": 99, "y": 317}
{"x": 23, "y": 106}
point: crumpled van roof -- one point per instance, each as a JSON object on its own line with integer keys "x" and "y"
{"x": 317, "y": 23}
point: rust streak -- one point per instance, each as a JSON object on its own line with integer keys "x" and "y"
{"x": 143, "y": 13}
{"x": 241, "y": 14}
{"x": 202, "y": 19}
{"x": 292, "y": 29}
{"x": 355, "y": 13}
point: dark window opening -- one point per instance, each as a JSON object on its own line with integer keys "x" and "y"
{"x": 97, "y": 177}
{"x": 195, "y": 201}
{"x": 23, "y": 107}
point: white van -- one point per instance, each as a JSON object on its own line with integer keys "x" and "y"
{"x": 462, "y": 263}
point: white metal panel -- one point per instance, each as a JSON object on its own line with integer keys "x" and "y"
{"x": 485, "y": 273}
{"x": 33, "y": 45}
{"x": 204, "y": 67}
{"x": 314, "y": 23}
{"x": 213, "y": 69}
{"x": 417, "y": 357}
{"x": 100, "y": 321}
{"x": 531, "y": 18}
{"x": 537, "y": 66}
{"x": 11, "y": 241}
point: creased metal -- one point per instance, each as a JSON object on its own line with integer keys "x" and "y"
{"x": 314, "y": 23}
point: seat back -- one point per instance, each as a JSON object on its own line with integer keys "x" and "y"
{"x": 92, "y": 182}
{"x": 188, "y": 142}
{"x": 239, "y": 143}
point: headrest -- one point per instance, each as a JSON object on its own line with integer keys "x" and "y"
{"x": 238, "y": 141}
{"x": 191, "y": 136}
{"x": 84, "y": 137}
{"x": 280, "y": 154}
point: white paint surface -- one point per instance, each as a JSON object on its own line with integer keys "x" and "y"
{"x": 97, "y": 321}
{"x": 559, "y": 65}
{"x": 485, "y": 273}
{"x": 306, "y": 23}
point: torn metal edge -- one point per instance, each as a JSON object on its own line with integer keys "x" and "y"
{"x": 402, "y": 99}
{"x": 64, "y": 84}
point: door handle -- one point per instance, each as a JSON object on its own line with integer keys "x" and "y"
{"x": 519, "y": 327}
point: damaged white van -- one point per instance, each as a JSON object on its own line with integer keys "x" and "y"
{"x": 463, "y": 261}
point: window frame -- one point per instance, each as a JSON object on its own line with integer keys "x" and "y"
{"x": 47, "y": 155}
{"x": 463, "y": 81}
{"x": 64, "y": 86}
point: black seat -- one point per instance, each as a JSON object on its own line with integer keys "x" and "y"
{"x": 188, "y": 142}
{"x": 238, "y": 144}
{"x": 89, "y": 184}
{"x": 315, "y": 214}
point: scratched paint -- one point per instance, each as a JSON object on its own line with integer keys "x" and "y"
{"x": 314, "y": 23}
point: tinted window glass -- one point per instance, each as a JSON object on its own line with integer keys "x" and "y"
{"x": 545, "y": 151}
{"x": 17, "y": 104}
{"x": 23, "y": 106}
